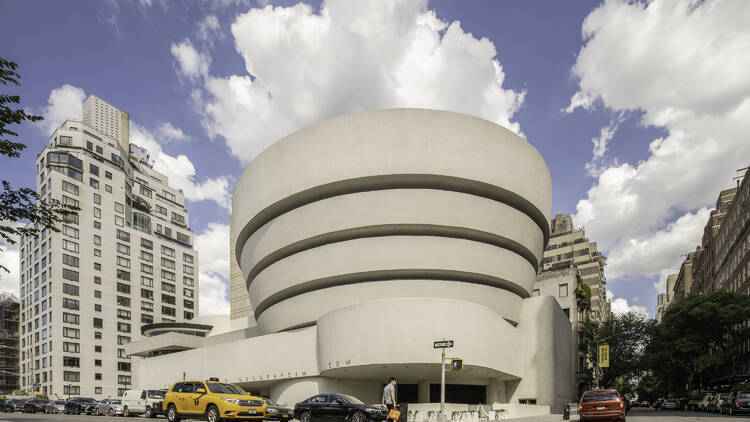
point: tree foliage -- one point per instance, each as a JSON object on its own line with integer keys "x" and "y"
{"x": 627, "y": 336}
{"x": 22, "y": 205}
{"x": 696, "y": 337}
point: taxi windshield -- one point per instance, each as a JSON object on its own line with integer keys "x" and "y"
{"x": 221, "y": 388}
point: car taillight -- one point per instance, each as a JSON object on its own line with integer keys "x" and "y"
{"x": 736, "y": 402}
{"x": 580, "y": 408}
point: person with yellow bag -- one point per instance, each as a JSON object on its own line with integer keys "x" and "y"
{"x": 389, "y": 400}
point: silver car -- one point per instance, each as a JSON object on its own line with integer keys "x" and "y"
{"x": 55, "y": 406}
{"x": 109, "y": 407}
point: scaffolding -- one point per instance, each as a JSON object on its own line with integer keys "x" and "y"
{"x": 9, "y": 346}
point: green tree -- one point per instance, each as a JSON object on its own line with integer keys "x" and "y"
{"x": 18, "y": 206}
{"x": 627, "y": 336}
{"x": 696, "y": 337}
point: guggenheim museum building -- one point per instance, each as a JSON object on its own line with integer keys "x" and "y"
{"x": 358, "y": 242}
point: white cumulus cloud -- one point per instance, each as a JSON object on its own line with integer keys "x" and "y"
{"x": 193, "y": 65}
{"x": 213, "y": 254}
{"x": 209, "y": 29}
{"x": 169, "y": 132}
{"x": 304, "y": 66}
{"x": 181, "y": 171}
{"x": 65, "y": 102}
{"x": 683, "y": 64}
{"x": 9, "y": 258}
{"x": 620, "y": 306}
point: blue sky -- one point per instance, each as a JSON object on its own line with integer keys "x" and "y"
{"x": 639, "y": 108}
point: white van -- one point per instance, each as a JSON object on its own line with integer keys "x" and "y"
{"x": 146, "y": 402}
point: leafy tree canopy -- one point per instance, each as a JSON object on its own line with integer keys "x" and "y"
{"x": 22, "y": 205}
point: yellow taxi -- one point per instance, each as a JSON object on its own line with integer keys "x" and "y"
{"x": 211, "y": 400}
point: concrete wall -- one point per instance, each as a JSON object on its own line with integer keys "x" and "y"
{"x": 546, "y": 346}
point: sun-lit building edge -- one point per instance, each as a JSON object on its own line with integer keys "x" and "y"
{"x": 365, "y": 238}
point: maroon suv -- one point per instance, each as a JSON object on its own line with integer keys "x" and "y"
{"x": 602, "y": 405}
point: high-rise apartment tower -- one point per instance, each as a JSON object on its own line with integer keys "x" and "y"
{"x": 125, "y": 261}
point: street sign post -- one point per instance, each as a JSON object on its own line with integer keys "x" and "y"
{"x": 442, "y": 344}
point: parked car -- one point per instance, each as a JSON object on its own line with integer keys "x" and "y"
{"x": 78, "y": 405}
{"x": 142, "y": 402}
{"x": 211, "y": 400}
{"x": 55, "y": 406}
{"x": 109, "y": 407}
{"x": 601, "y": 405}
{"x": 12, "y": 405}
{"x": 34, "y": 405}
{"x": 670, "y": 404}
{"x": 343, "y": 407}
{"x": 705, "y": 401}
{"x": 736, "y": 402}
{"x": 718, "y": 401}
{"x": 276, "y": 412}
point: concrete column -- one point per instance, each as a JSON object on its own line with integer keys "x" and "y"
{"x": 496, "y": 391}
{"x": 424, "y": 392}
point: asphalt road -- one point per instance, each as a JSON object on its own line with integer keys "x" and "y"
{"x": 41, "y": 417}
{"x": 636, "y": 414}
{"x": 644, "y": 415}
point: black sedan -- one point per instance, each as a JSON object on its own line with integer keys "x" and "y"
{"x": 13, "y": 405}
{"x": 276, "y": 412}
{"x": 339, "y": 407}
{"x": 34, "y": 405}
{"x": 78, "y": 405}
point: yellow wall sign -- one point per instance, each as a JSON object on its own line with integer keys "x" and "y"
{"x": 604, "y": 356}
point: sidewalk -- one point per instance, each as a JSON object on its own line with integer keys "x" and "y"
{"x": 548, "y": 418}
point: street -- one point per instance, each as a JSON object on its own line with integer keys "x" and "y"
{"x": 41, "y": 417}
{"x": 648, "y": 414}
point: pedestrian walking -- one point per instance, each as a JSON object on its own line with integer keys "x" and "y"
{"x": 389, "y": 399}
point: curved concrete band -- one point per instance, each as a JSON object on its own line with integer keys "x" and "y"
{"x": 392, "y": 196}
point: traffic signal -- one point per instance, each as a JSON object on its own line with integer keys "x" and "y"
{"x": 457, "y": 364}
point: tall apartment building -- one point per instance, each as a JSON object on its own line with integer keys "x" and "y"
{"x": 124, "y": 261}
{"x": 705, "y": 269}
{"x": 9, "y": 343}
{"x": 570, "y": 248}
{"x": 721, "y": 262}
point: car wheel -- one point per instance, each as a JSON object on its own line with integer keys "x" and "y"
{"x": 172, "y": 414}
{"x": 358, "y": 417}
{"x": 212, "y": 414}
{"x": 305, "y": 417}
{"x": 149, "y": 413}
{"x": 111, "y": 412}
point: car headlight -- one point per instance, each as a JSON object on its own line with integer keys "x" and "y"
{"x": 371, "y": 410}
{"x": 272, "y": 410}
{"x": 235, "y": 401}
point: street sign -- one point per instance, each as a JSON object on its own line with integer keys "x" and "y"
{"x": 443, "y": 344}
{"x": 457, "y": 364}
{"x": 604, "y": 356}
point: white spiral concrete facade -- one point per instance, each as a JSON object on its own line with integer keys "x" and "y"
{"x": 364, "y": 238}
{"x": 384, "y": 198}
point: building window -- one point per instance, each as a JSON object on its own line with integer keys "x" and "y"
{"x": 70, "y": 376}
{"x": 147, "y": 256}
{"x": 123, "y": 235}
{"x": 564, "y": 290}
{"x": 123, "y": 301}
{"x": 69, "y": 347}
{"x": 142, "y": 222}
{"x": 147, "y": 319}
{"x": 98, "y": 323}
{"x": 188, "y": 315}
{"x": 94, "y": 170}
{"x": 71, "y": 361}
{"x": 166, "y": 310}
{"x": 147, "y": 244}
{"x": 70, "y": 289}
{"x": 167, "y": 251}
{"x": 71, "y": 390}
{"x": 167, "y": 263}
